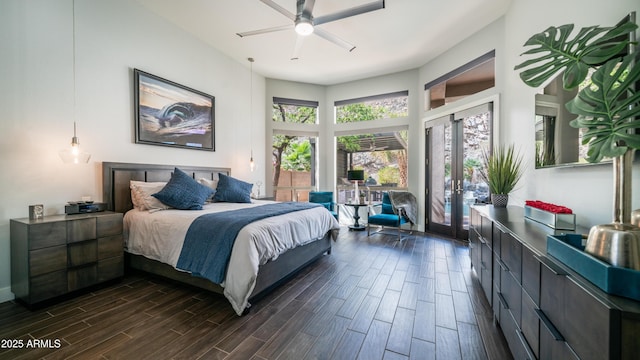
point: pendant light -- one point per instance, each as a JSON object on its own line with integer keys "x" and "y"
{"x": 74, "y": 155}
{"x": 252, "y": 164}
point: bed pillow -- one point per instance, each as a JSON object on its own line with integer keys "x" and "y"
{"x": 183, "y": 192}
{"x": 213, "y": 184}
{"x": 232, "y": 190}
{"x": 141, "y": 195}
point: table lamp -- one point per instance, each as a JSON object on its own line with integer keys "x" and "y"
{"x": 355, "y": 176}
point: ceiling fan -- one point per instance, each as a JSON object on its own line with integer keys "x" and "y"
{"x": 306, "y": 24}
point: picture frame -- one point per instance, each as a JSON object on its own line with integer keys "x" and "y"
{"x": 170, "y": 114}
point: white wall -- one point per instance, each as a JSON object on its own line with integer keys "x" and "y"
{"x": 112, "y": 38}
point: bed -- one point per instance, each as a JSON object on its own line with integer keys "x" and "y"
{"x": 246, "y": 280}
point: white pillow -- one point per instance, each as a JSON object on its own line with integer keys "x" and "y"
{"x": 210, "y": 183}
{"x": 141, "y": 195}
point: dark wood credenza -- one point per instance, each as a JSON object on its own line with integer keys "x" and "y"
{"x": 546, "y": 310}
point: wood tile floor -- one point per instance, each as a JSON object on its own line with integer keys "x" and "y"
{"x": 372, "y": 298}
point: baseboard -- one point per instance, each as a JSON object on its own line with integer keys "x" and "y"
{"x": 6, "y": 294}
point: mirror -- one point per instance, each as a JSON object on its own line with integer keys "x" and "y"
{"x": 557, "y": 143}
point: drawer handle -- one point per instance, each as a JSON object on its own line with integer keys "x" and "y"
{"x": 525, "y": 344}
{"x": 503, "y": 301}
{"x": 503, "y": 265}
{"x": 482, "y": 240}
{"x": 554, "y": 268}
{"x": 549, "y": 325}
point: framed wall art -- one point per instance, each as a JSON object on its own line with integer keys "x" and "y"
{"x": 170, "y": 114}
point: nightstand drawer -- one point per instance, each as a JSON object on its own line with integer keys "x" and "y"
{"x": 47, "y": 234}
{"x": 81, "y": 229}
{"x": 111, "y": 268}
{"x": 47, "y": 286}
{"x": 47, "y": 260}
{"x": 110, "y": 246}
{"x": 109, "y": 225}
{"x": 82, "y": 277}
{"x": 81, "y": 253}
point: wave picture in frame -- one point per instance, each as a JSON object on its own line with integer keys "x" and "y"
{"x": 170, "y": 114}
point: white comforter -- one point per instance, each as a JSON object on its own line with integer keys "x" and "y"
{"x": 160, "y": 235}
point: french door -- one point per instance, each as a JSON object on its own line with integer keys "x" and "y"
{"x": 454, "y": 163}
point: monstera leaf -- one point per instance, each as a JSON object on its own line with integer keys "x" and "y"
{"x": 555, "y": 51}
{"x": 609, "y": 108}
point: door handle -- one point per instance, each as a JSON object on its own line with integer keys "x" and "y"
{"x": 458, "y": 188}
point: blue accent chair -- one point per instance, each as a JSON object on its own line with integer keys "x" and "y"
{"x": 388, "y": 217}
{"x": 326, "y": 199}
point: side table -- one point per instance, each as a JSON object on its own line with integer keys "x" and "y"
{"x": 356, "y": 217}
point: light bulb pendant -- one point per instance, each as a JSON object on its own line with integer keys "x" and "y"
{"x": 74, "y": 155}
{"x": 252, "y": 164}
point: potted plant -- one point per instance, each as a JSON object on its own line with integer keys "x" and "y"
{"x": 608, "y": 108}
{"x": 502, "y": 171}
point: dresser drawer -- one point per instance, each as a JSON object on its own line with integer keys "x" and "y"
{"x": 47, "y": 260}
{"x": 81, "y": 229}
{"x": 110, "y": 246}
{"x": 511, "y": 254}
{"x": 497, "y": 240}
{"x": 586, "y": 323}
{"x": 531, "y": 274}
{"x": 82, "y": 253}
{"x": 47, "y": 234}
{"x": 512, "y": 293}
{"x": 530, "y": 324}
{"x": 552, "y": 299}
{"x": 486, "y": 268}
{"x": 109, "y": 225}
{"x": 486, "y": 230}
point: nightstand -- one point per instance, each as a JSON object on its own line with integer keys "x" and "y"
{"x": 59, "y": 254}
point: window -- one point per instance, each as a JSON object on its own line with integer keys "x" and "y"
{"x": 294, "y": 154}
{"x": 471, "y": 78}
{"x": 383, "y": 106}
{"x": 295, "y": 111}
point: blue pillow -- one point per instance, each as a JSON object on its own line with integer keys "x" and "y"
{"x": 183, "y": 192}
{"x": 232, "y": 190}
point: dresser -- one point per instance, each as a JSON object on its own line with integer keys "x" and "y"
{"x": 60, "y": 254}
{"x": 546, "y": 310}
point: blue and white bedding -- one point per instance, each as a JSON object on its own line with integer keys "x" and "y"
{"x": 160, "y": 236}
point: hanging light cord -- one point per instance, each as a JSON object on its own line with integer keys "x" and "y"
{"x": 251, "y": 162}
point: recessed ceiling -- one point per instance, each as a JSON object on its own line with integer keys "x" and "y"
{"x": 404, "y": 35}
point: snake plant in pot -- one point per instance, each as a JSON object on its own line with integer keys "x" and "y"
{"x": 501, "y": 171}
{"x": 607, "y": 108}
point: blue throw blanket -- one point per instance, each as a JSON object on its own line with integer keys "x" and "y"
{"x": 207, "y": 246}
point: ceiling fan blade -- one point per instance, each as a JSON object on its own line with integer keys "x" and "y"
{"x": 308, "y": 7}
{"x": 334, "y": 39}
{"x": 264, "y": 31}
{"x": 357, "y": 10}
{"x": 297, "y": 47}
{"x": 279, "y": 9}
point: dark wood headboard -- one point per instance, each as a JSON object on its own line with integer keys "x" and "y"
{"x": 116, "y": 177}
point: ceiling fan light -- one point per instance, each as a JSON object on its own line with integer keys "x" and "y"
{"x": 304, "y": 27}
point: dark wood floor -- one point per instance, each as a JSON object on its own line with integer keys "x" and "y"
{"x": 372, "y": 298}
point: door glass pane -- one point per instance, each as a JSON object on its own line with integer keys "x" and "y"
{"x": 476, "y": 135}
{"x": 440, "y": 171}
{"x": 294, "y": 167}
